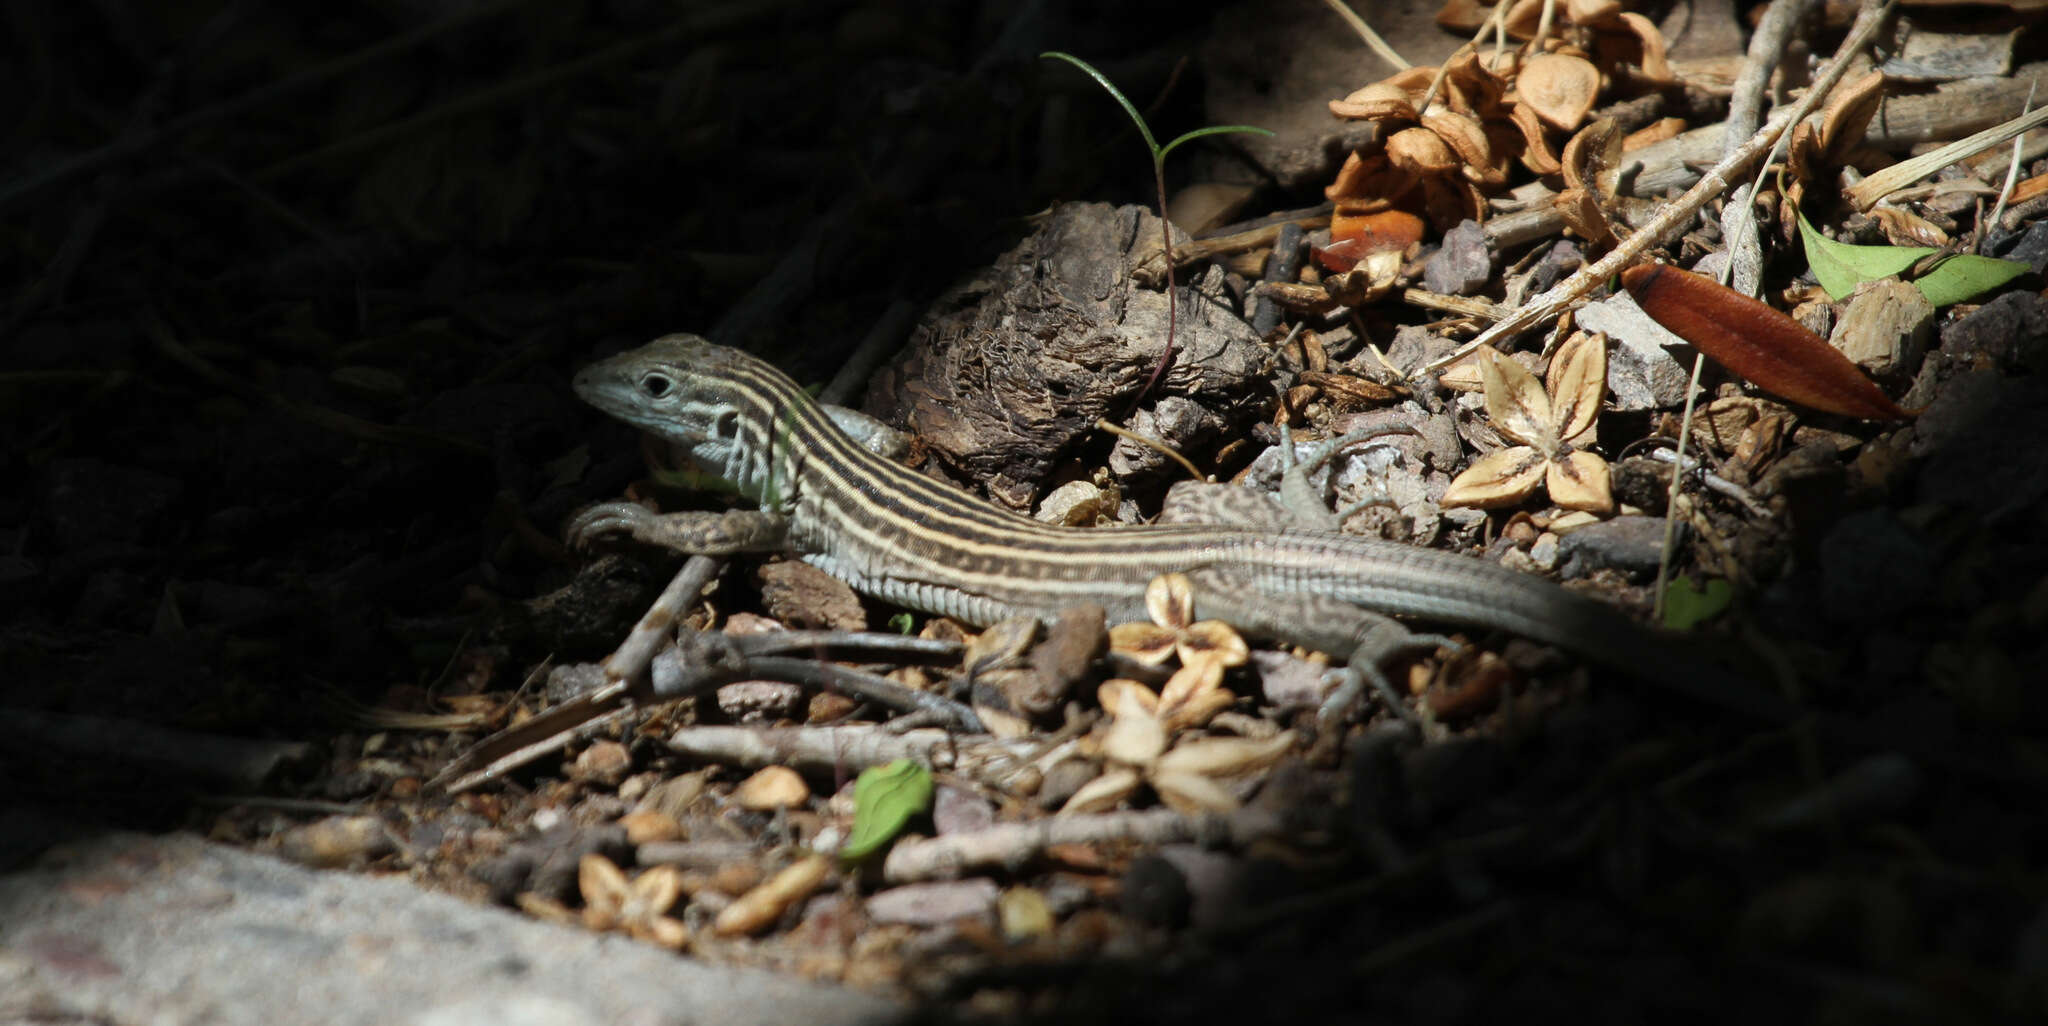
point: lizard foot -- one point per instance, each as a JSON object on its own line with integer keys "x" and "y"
{"x": 1362, "y": 670}
{"x": 607, "y": 518}
{"x": 697, "y": 534}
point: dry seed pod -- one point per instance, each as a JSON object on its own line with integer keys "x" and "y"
{"x": 1758, "y": 343}
{"x": 759, "y": 908}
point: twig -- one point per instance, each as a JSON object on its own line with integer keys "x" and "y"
{"x": 1155, "y": 444}
{"x": 657, "y": 625}
{"x": 1365, "y": 32}
{"x": 2012, "y": 178}
{"x": 1016, "y": 844}
{"x": 988, "y": 760}
{"x": 1866, "y": 193}
{"x": 1570, "y": 292}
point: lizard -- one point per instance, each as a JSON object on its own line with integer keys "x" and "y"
{"x": 907, "y": 539}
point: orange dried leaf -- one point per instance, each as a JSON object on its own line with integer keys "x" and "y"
{"x": 1386, "y": 229}
{"x": 1760, "y": 344}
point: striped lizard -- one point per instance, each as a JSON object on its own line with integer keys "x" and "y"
{"x": 907, "y": 539}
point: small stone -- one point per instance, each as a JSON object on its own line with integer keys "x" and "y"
{"x": 931, "y": 904}
{"x": 757, "y": 701}
{"x": 674, "y": 796}
{"x": 1288, "y": 682}
{"x": 776, "y": 787}
{"x": 645, "y": 826}
{"x": 1632, "y": 545}
{"x": 802, "y": 595}
{"x": 956, "y": 810}
{"x": 336, "y": 841}
{"x": 606, "y": 762}
{"x": 1023, "y": 914}
{"x": 1464, "y": 264}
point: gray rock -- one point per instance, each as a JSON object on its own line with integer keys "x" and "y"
{"x": 173, "y": 930}
{"x": 1464, "y": 265}
{"x": 1632, "y": 545}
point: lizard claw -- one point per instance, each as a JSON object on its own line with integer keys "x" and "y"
{"x": 607, "y": 518}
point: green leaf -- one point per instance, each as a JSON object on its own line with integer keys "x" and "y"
{"x": 884, "y": 799}
{"x": 902, "y": 623}
{"x": 1686, "y": 605}
{"x": 1211, "y": 130}
{"x": 1840, "y": 267}
{"x": 1966, "y": 276}
{"x": 1158, "y": 155}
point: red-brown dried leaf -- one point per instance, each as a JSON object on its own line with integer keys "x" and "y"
{"x": 1758, "y": 343}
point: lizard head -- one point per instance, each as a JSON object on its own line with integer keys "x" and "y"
{"x": 719, "y": 403}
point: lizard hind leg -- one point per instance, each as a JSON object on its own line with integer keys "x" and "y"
{"x": 1368, "y": 639}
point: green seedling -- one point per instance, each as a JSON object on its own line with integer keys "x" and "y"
{"x": 1159, "y": 183}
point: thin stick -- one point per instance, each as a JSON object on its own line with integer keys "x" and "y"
{"x": 2012, "y": 178}
{"x": 1365, "y": 32}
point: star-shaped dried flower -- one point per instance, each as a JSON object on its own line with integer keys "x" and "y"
{"x": 639, "y": 908}
{"x": 1551, "y": 426}
{"x": 1206, "y": 649}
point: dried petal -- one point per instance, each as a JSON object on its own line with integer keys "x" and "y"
{"x": 655, "y": 892}
{"x": 1103, "y": 793}
{"x": 1537, "y": 155}
{"x": 1380, "y": 101}
{"x": 1170, "y": 599}
{"x": 1592, "y": 150}
{"x": 1561, "y": 88}
{"x": 1577, "y": 380}
{"x": 1756, "y": 342}
{"x": 1148, "y": 643}
{"x": 1198, "y": 710}
{"x": 1185, "y": 792}
{"x": 759, "y": 908}
{"x": 1213, "y": 640}
{"x": 1226, "y": 756}
{"x": 1579, "y": 480}
{"x": 604, "y": 890}
{"x": 1463, "y": 134}
{"x": 1419, "y": 151}
{"x": 1192, "y": 680}
{"x": 1134, "y": 740}
{"x": 1848, "y": 116}
{"x": 1501, "y": 478}
{"x": 1516, "y": 402}
{"x": 664, "y": 931}
{"x": 1121, "y": 698}
{"x": 1655, "y": 132}
{"x": 1580, "y": 210}
{"x": 1650, "y": 44}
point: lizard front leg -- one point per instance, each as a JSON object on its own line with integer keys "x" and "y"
{"x": 696, "y": 534}
{"x": 1325, "y": 624}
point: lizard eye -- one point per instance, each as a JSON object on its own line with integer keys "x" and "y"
{"x": 656, "y": 385}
